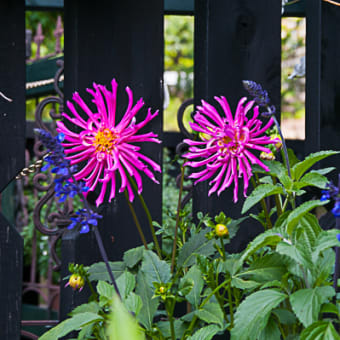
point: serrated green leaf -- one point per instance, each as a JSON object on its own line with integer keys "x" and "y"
{"x": 244, "y": 284}
{"x": 133, "y": 303}
{"x": 326, "y": 239}
{"x": 249, "y": 323}
{"x": 98, "y": 271}
{"x": 179, "y": 326}
{"x": 260, "y": 192}
{"x": 306, "y": 303}
{"x": 133, "y": 256}
{"x": 76, "y": 322}
{"x": 197, "y": 244}
{"x": 211, "y": 313}
{"x": 268, "y": 238}
{"x": 105, "y": 290}
{"x": 300, "y": 168}
{"x": 122, "y": 324}
{"x": 299, "y": 212}
{"x": 285, "y": 316}
{"x": 92, "y": 307}
{"x": 271, "y": 331}
{"x": 156, "y": 270}
{"x": 321, "y": 330}
{"x": 313, "y": 179}
{"x": 324, "y": 171}
{"x": 205, "y": 333}
{"x": 126, "y": 283}
{"x": 150, "y": 304}
{"x": 194, "y": 296}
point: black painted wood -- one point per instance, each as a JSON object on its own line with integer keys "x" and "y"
{"x": 235, "y": 40}
{"x": 313, "y": 75}
{"x": 121, "y": 39}
{"x": 330, "y": 85}
{"x": 12, "y": 141}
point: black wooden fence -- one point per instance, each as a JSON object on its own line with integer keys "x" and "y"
{"x": 234, "y": 40}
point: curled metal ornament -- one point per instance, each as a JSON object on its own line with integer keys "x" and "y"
{"x": 180, "y": 116}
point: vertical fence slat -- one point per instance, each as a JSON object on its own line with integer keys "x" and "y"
{"x": 235, "y": 40}
{"x": 330, "y": 84}
{"x": 121, "y": 39}
{"x": 313, "y": 75}
{"x": 12, "y": 141}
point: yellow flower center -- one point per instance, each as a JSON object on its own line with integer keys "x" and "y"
{"x": 105, "y": 140}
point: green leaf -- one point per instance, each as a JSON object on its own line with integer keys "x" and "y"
{"x": 211, "y": 313}
{"x": 285, "y": 316}
{"x": 197, "y": 244}
{"x": 306, "y": 303}
{"x": 271, "y": 331}
{"x": 244, "y": 284}
{"x": 164, "y": 327}
{"x": 155, "y": 269}
{"x": 133, "y": 256}
{"x": 268, "y": 238}
{"x": 133, "y": 303}
{"x": 105, "y": 290}
{"x": 300, "y": 168}
{"x": 260, "y": 192}
{"x": 98, "y": 271}
{"x": 324, "y": 171}
{"x": 205, "y": 333}
{"x": 194, "y": 296}
{"x": 313, "y": 179}
{"x": 326, "y": 239}
{"x": 92, "y": 307}
{"x": 321, "y": 330}
{"x": 76, "y": 322}
{"x": 292, "y": 158}
{"x": 126, "y": 283}
{"x": 150, "y": 304}
{"x": 122, "y": 324}
{"x": 329, "y": 308}
{"x": 253, "y": 313}
{"x": 302, "y": 210}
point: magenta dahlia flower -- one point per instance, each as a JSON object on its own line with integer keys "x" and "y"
{"x": 107, "y": 149}
{"x": 227, "y": 144}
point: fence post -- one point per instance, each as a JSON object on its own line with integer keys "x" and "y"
{"x": 12, "y": 141}
{"x": 235, "y": 40}
{"x": 121, "y": 39}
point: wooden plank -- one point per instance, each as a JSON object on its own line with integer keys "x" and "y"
{"x": 330, "y": 85}
{"x": 12, "y": 141}
{"x": 313, "y": 75}
{"x": 235, "y": 40}
{"x": 121, "y": 39}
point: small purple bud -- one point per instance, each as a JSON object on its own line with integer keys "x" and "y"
{"x": 61, "y": 137}
{"x": 338, "y": 237}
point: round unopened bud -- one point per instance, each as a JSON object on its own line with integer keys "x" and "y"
{"x": 76, "y": 282}
{"x": 221, "y": 230}
{"x": 278, "y": 144}
{"x": 268, "y": 156}
{"x": 161, "y": 289}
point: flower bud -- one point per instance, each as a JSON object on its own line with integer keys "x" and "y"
{"x": 76, "y": 282}
{"x": 268, "y": 156}
{"x": 221, "y": 230}
{"x": 278, "y": 144}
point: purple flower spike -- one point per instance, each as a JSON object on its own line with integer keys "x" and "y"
{"x": 227, "y": 145}
{"x": 108, "y": 148}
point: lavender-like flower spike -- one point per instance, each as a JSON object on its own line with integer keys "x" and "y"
{"x": 255, "y": 90}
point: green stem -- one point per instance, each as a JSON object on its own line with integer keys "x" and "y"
{"x": 278, "y": 200}
{"x": 148, "y": 215}
{"x": 263, "y": 204}
{"x": 192, "y": 323}
{"x": 134, "y": 216}
{"x": 170, "y": 311}
{"x": 223, "y": 249}
{"x": 231, "y": 311}
{"x": 94, "y": 293}
{"x": 174, "y": 246}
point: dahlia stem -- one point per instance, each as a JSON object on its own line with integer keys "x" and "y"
{"x": 135, "y": 219}
{"x": 104, "y": 256}
{"x": 278, "y": 200}
{"x": 148, "y": 215}
{"x": 98, "y": 239}
{"x": 174, "y": 246}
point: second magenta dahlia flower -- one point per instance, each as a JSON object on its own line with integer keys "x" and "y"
{"x": 106, "y": 148}
{"x": 227, "y": 145}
